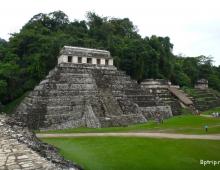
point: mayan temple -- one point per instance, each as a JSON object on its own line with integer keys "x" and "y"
{"x": 86, "y": 90}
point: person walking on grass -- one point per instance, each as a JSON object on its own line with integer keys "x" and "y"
{"x": 159, "y": 118}
{"x": 206, "y": 128}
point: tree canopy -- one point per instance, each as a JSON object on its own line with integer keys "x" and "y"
{"x": 29, "y": 55}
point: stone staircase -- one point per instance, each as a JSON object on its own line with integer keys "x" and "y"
{"x": 128, "y": 91}
{"x": 168, "y": 98}
{"x": 205, "y": 99}
{"x": 90, "y": 118}
{"x": 159, "y": 89}
{"x": 76, "y": 96}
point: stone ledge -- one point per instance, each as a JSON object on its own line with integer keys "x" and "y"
{"x": 21, "y": 149}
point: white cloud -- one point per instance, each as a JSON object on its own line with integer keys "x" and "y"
{"x": 192, "y": 25}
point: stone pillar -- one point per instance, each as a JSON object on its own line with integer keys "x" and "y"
{"x": 59, "y": 60}
{"x": 65, "y": 58}
{"x": 75, "y": 59}
{"x": 84, "y": 60}
{"x": 102, "y": 61}
{"x": 94, "y": 61}
{"x": 110, "y": 62}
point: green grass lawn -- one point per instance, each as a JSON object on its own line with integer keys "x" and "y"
{"x": 118, "y": 153}
{"x": 208, "y": 112}
{"x": 189, "y": 91}
{"x": 186, "y": 124}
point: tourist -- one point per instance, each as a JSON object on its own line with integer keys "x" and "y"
{"x": 206, "y": 128}
{"x": 214, "y": 114}
{"x": 157, "y": 117}
{"x": 161, "y": 119}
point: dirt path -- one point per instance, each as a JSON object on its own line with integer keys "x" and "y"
{"x": 131, "y": 134}
{"x": 209, "y": 116}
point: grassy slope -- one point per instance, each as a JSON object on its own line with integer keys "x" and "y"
{"x": 188, "y": 124}
{"x": 114, "y": 153}
{"x": 189, "y": 91}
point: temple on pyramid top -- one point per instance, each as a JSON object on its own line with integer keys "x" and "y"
{"x": 79, "y": 55}
{"x": 86, "y": 90}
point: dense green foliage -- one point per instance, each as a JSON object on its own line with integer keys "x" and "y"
{"x": 28, "y": 55}
{"x": 10, "y": 107}
{"x": 122, "y": 153}
{"x": 187, "y": 124}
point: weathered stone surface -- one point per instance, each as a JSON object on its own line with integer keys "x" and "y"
{"x": 205, "y": 99}
{"x": 202, "y": 84}
{"x": 160, "y": 89}
{"x": 84, "y": 52}
{"x": 150, "y": 112}
{"x": 76, "y": 96}
{"x": 20, "y": 149}
{"x": 87, "y": 95}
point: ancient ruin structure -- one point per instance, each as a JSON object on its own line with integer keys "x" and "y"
{"x": 85, "y": 89}
{"x": 202, "y": 84}
{"x": 79, "y": 55}
{"x": 170, "y": 94}
{"x": 200, "y": 99}
{"x": 21, "y": 149}
{"x": 160, "y": 89}
{"x": 205, "y": 98}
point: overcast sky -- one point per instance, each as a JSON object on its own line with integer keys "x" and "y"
{"x": 192, "y": 25}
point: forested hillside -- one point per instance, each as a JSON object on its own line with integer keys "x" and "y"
{"x": 28, "y": 55}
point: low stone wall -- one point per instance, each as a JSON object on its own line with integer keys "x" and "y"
{"x": 21, "y": 149}
{"x": 160, "y": 88}
{"x": 81, "y": 96}
{"x": 150, "y": 112}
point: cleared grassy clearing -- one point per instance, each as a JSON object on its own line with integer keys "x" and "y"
{"x": 208, "y": 112}
{"x": 117, "y": 153}
{"x": 186, "y": 124}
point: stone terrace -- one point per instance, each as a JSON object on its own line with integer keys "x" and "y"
{"x": 15, "y": 154}
{"x": 84, "y": 91}
{"x": 205, "y": 99}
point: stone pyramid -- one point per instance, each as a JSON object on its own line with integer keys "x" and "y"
{"x": 86, "y": 90}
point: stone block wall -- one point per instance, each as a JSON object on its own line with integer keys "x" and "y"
{"x": 21, "y": 149}
{"x": 159, "y": 89}
{"x": 88, "y": 95}
{"x": 81, "y": 96}
{"x": 202, "y": 84}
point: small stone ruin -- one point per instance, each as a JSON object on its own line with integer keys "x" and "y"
{"x": 205, "y": 98}
{"x": 202, "y": 84}
{"x": 160, "y": 88}
{"x": 86, "y": 90}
